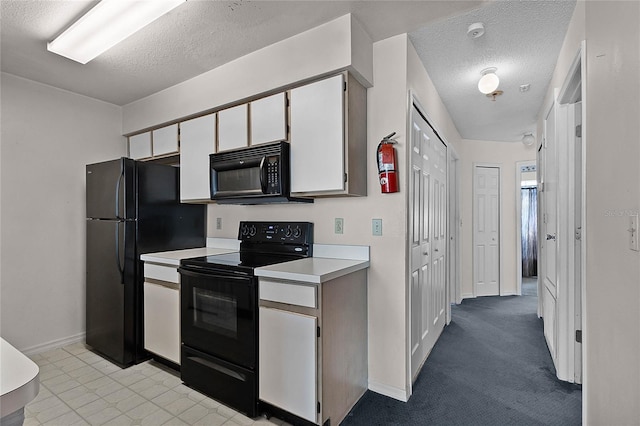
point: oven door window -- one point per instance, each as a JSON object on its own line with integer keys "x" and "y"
{"x": 216, "y": 312}
{"x": 218, "y": 315}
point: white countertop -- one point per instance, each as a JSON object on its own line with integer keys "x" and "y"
{"x": 19, "y": 382}
{"x": 312, "y": 269}
{"x": 329, "y": 261}
{"x": 173, "y": 257}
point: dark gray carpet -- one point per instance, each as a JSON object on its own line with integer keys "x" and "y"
{"x": 529, "y": 286}
{"x": 490, "y": 366}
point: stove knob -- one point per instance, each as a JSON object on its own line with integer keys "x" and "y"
{"x": 252, "y": 231}
{"x": 287, "y": 232}
{"x": 244, "y": 230}
{"x": 297, "y": 232}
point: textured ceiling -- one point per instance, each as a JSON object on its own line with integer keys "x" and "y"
{"x": 522, "y": 40}
{"x": 193, "y": 38}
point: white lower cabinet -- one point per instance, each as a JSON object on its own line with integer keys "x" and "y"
{"x": 288, "y": 361}
{"x": 312, "y": 346}
{"x": 162, "y": 315}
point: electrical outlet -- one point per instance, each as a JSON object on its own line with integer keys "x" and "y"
{"x": 339, "y": 225}
{"x": 376, "y": 227}
{"x": 218, "y": 223}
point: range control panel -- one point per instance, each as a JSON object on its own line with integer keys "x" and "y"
{"x": 276, "y": 232}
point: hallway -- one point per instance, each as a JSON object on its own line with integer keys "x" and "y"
{"x": 491, "y": 366}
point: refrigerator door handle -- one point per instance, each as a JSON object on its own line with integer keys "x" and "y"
{"x": 120, "y": 265}
{"x": 118, "y": 185}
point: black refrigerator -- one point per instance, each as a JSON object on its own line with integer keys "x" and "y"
{"x": 132, "y": 208}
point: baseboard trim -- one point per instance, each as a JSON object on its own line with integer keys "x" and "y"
{"x": 511, "y": 293}
{"x": 468, "y": 296}
{"x": 53, "y": 344}
{"x": 390, "y": 391}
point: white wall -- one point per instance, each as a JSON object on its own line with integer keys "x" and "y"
{"x": 612, "y": 340}
{"x": 506, "y": 154}
{"x": 340, "y": 44}
{"x": 48, "y": 135}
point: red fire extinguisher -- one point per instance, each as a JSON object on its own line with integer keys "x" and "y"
{"x": 386, "y": 157}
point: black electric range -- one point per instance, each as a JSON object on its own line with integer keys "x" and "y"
{"x": 219, "y": 310}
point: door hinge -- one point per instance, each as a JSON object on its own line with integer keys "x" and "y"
{"x": 318, "y": 407}
{"x": 579, "y": 336}
{"x": 579, "y": 131}
{"x": 345, "y": 178}
{"x": 345, "y": 85}
{"x": 318, "y": 331}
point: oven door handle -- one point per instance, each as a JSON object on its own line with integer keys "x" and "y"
{"x": 205, "y": 273}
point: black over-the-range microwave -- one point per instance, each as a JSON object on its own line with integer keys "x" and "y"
{"x": 254, "y": 175}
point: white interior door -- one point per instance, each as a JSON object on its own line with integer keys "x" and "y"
{"x": 486, "y": 231}
{"x": 428, "y": 223}
{"x": 549, "y": 248}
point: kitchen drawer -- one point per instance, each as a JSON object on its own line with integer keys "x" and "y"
{"x": 162, "y": 273}
{"x": 289, "y": 293}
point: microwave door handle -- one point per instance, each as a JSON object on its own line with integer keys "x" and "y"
{"x": 263, "y": 177}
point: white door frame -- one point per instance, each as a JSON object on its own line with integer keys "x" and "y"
{"x": 519, "y": 166}
{"x": 500, "y": 233}
{"x": 570, "y": 311}
{"x": 454, "y": 230}
{"x": 569, "y": 292}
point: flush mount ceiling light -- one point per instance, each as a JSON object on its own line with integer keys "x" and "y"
{"x": 106, "y": 25}
{"x": 528, "y": 139}
{"x": 489, "y": 81}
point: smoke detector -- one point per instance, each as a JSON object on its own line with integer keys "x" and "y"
{"x": 475, "y": 30}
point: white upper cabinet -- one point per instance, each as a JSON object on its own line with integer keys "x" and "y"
{"x": 233, "y": 128}
{"x": 269, "y": 119}
{"x": 328, "y": 138}
{"x": 165, "y": 140}
{"x": 140, "y": 146}
{"x": 197, "y": 137}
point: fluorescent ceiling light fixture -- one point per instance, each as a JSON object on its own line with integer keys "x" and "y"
{"x": 106, "y": 25}
{"x": 489, "y": 81}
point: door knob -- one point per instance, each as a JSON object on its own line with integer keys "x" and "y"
{"x": 551, "y": 237}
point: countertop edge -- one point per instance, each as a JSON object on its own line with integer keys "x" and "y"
{"x": 273, "y": 272}
{"x": 14, "y": 396}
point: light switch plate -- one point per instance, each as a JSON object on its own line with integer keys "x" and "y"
{"x": 339, "y": 225}
{"x": 633, "y": 232}
{"x": 376, "y": 227}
